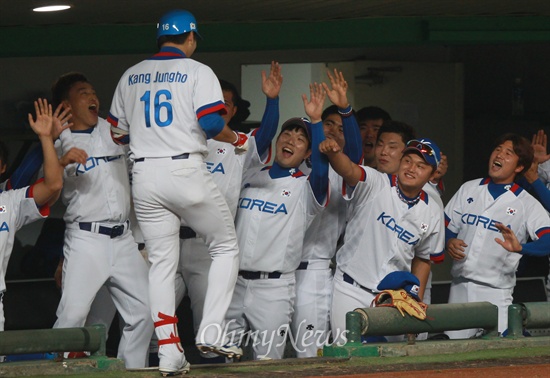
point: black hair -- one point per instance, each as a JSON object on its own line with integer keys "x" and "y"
{"x": 522, "y": 148}
{"x": 62, "y": 86}
{"x": 178, "y": 39}
{"x": 372, "y": 112}
{"x": 406, "y": 131}
{"x": 242, "y": 105}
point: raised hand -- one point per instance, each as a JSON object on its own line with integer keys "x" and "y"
{"x": 271, "y": 85}
{"x": 314, "y": 106}
{"x": 61, "y": 120}
{"x": 44, "y": 120}
{"x": 338, "y": 91}
{"x": 540, "y": 143}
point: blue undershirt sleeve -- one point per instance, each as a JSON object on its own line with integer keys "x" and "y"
{"x": 449, "y": 235}
{"x": 318, "y": 178}
{"x": 268, "y": 128}
{"x": 542, "y": 193}
{"x": 539, "y": 247}
{"x": 212, "y": 124}
{"x": 32, "y": 162}
{"x": 353, "y": 147}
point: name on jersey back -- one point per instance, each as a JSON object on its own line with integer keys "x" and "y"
{"x": 160, "y": 77}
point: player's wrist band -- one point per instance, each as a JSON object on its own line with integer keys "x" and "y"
{"x": 345, "y": 112}
{"x": 237, "y": 139}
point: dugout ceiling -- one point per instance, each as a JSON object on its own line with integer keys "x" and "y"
{"x": 128, "y": 26}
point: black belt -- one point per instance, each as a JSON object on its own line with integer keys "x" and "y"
{"x": 177, "y": 157}
{"x": 187, "y": 233}
{"x": 350, "y": 280}
{"x": 248, "y": 275}
{"x": 303, "y": 265}
{"x": 113, "y": 232}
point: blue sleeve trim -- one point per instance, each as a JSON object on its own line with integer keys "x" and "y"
{"x": 318, "y": 178}
{"x": 212, "y": 124}
{"x": 449, "y": 235}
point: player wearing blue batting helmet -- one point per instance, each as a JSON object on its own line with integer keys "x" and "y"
{"x": 177, "y": 22}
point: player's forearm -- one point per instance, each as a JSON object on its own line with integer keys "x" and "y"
{"x": 421, "y": 269}
{"x": 350, "y": 172}
{"x": 540, "y": 247}
{"x": 268, "y": 127}
{"x": 27, "y": 169}
{"x": 53, "y": 174}
{"x": 353, "y": 147}
{"x": 318, "y": 178}
{"x": 226, "y": 135}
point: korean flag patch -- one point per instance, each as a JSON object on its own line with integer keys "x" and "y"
{"x": 2, "y": 209}
{"x": 510, "y": 211}
{"x": 423, "y": 227}
{"x": 285, "y": 193}
{"x": 221, "y": 151}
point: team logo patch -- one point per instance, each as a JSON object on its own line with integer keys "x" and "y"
{"x": 221, "y": 151}
{"x": 510, "y": 211}
{"x": 415, "y": 289}
{"x": 470, "y": 200}
{"x": 507, "y": 187}
{"x": 192, "y": 26}
{"x": 285, "y": 193}
{"x": 2, "y": 209}
{"x": 424, "y": 227}
{"x": 292, "y": 171}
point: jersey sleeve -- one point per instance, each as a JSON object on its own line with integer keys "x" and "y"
{"x": 371, "y": 181}
{"x": 207, "y": 93}
{"x": 26, "y": 209}
{"x": 453, "y": 212}
{"x": 117, "y": 115}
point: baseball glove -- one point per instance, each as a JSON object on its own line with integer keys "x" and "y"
{"x": 401, "y": 300}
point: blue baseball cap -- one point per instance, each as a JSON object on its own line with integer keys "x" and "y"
{"x": 401, "y": 280}
{"x": 427, "y": 149}
{"x": 177, "y": 22}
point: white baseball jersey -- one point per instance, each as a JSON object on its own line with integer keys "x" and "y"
{"x": 17, "y": 208}
{"x": 383, "y": 234}
{"x": 322, "y": 235}
{"x": 104, "y": 178}
{"x": 272, "y": 217}
{"x": 472, "y": 214}
{"x": 161, "y": 84}
{"x": 97, "y": 194}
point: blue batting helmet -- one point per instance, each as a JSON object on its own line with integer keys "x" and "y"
{"x": 177, "y": 22}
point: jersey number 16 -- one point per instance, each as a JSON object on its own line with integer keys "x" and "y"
{"x": 161, "y": 100}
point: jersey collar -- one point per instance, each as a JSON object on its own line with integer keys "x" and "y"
{"x": 498, "y": 189}
{"x": 168, "y": 52}
{"x": 276, "y": 171}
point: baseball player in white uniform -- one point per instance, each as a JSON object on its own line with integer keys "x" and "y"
{"x": 19, "y": 207}
{"x": 166, "y": 107}
{"x": 483, "y": 268}
{"x": 276, "y": 205}
{"x": 310, "y": 322}
{"x": 226, "y": 168}
{"x": 392, "y": 221}
{"x": 99, "y": 247}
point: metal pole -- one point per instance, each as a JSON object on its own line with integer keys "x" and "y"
{"x": 537, "y": 314}
{"x": 387, "y": 321}
{"x": 54, "y": 340}
{"x": 515, "y": 320}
